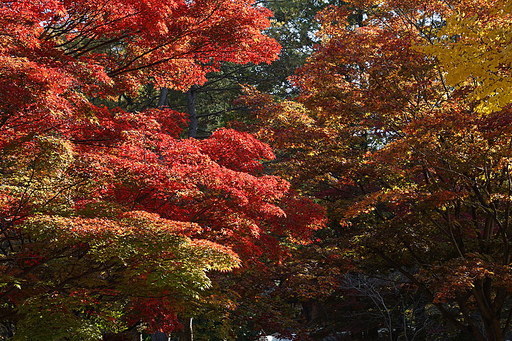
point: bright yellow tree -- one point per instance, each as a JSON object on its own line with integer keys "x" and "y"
{"x": 475, "y": 50}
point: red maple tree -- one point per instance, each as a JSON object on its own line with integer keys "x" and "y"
{"x": 103, "y": 210}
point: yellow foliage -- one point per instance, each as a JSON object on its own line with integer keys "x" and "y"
{"x": 474, "y": 49}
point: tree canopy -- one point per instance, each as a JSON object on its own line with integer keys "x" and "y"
{"x": 109, "y": 218}
{"x": 369, "y": 192}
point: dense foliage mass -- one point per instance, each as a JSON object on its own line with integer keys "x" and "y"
{"x": 123, "y": 209}
{"x": 109, "y": 220}
{"x": 411, "y": 155}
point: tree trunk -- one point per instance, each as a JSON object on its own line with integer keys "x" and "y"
{"x": 188, "y": 331}
{"x": 192, "y": 114}
{"x": 493, "y": 330}
{"x": 486, "y": 308}
{"x": 162, "y": 100}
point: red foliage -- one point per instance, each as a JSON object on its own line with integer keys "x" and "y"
{"x": 158, "y": 313}
{"x": 83, "y": 183}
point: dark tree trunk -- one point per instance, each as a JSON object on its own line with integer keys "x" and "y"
{"x": 187, "y": 334}
{"x": 162, "y": 100}
{"x": 189, "y": 330}
{"x": 192, "y": 114}
{"x": 493, "y": 330}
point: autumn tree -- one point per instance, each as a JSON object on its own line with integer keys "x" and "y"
{"x": 211, "y": 104}
{"x": 415, "y": 179}
{"x": 109, "y": 220}
{"x": 473, "y": 49}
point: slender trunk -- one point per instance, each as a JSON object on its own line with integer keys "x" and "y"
{"x": 162, "y": 100}
{"x": 192, "y": 114}
{"x": 188, "y": 330}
